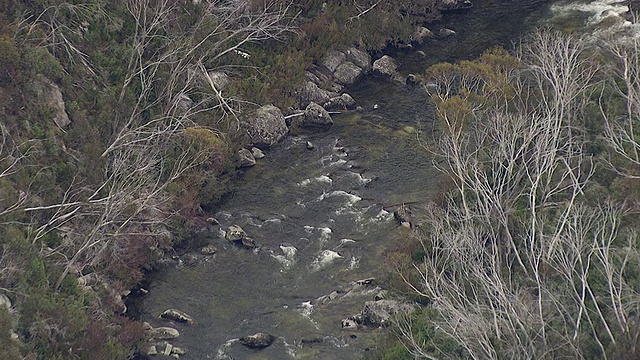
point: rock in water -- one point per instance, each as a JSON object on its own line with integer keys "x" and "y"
{"x": 347, "y": 73}
{"x": 246, "y": 158}
{"x": 257, "y": 341}
{"x": 163, "y": 333}
{"x": 176, "y": 315}
{"x": 235, "y": 233}
{"x": 208, "y": 250}
{"x": 257, "y": 153}
{"x": 316, "y": 116}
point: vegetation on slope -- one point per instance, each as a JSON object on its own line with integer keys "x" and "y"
{"x": 114, "y": 136}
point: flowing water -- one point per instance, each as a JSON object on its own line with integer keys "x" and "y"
{"x": 323, "y": 216}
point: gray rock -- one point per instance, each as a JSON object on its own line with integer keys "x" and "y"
{"x": 235, "y": 233}
{"x": 310, "y": 92}
{"x": 344, "y": 101}
{"x": 53, "y": 98}
{"x": 316, "y": 116}
{"x": 347, "y": 73}
{"x": 163, "y": 333}
{"x": 218, "y": 79}
{"x": 257, "y": 341}
{"x": 379, "y": 313}
{"x": 310, "y": 145}
{"x": 176, "y": 315}
{"x": 167, "y": 349}
{"x": 360, "y": 58}
{"x": 208, "y": 250}
{"x": 333, "y": 60}
{"x": 266, "y": 126}
{"x": 4, "y": 301}
{"x": 349, "y": 324}
{"x": 421, "y": 34}
{"x": 178, "y": 351}
{"x": 386, "y": 65}
{"x": 246, "y": 158}
{"x": 257, "y": 153}
{"x": 152, "y": 350}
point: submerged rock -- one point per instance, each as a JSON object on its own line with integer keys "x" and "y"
{"x": 257, "y": 341}
{"x": 248, "y": 243}
{"x": 176, "y": 315}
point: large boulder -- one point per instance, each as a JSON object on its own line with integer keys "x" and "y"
{"x": 266, "y": 126}
{"x": 347, "y": 73}
{"x": 360, "y": 58}
{"x": 52, "y": 96}
{"x": 344, "y": 101}
{"x": 257, "y": 341}
{"x": 379, "y": 313}
{"x": 386, "y": 65}
{"x": 316, "y": 116}
{"x": 333, "y": 60}
{"x": 311, "y": 92}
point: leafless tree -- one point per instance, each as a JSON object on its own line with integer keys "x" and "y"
{"x": 621, "y": 131}
{"x": 156, "y": 140}
{"x": 516, "y": 265}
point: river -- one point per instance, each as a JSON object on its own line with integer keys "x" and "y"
{"x": 323, "y": 216}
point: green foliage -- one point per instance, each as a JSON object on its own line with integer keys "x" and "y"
{"x": 9, "y": 347}
{"x": 38, "y": 60}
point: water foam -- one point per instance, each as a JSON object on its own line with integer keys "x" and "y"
{"x": 325, "y": 258}
{"x": 599, "y": 10}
